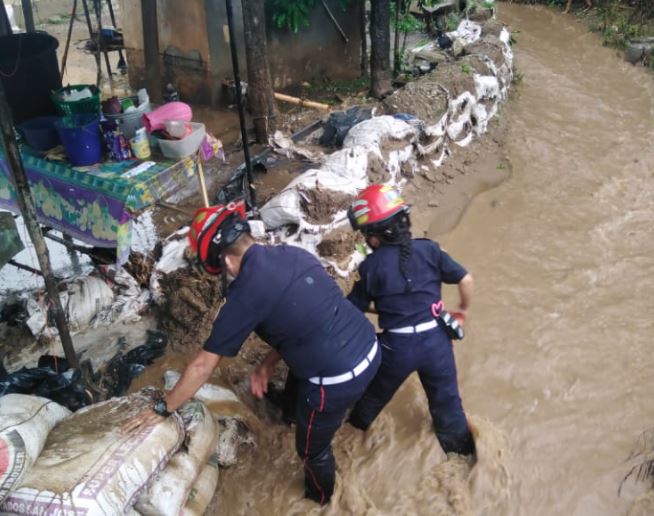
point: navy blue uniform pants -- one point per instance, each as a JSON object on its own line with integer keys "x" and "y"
{"x": 319, "y": 412}
{"x": 430, "y": 354}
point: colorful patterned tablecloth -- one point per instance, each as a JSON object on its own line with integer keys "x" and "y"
{"x": 94, "y": 204}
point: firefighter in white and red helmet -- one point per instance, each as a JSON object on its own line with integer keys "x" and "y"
{"x": 402, "y": 277}
{"x": 284, "y": 295}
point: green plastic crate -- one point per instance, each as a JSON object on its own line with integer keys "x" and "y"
{"x": 78, "y": 107}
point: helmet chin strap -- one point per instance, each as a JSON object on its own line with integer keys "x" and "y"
{"x": 223, "y": 274}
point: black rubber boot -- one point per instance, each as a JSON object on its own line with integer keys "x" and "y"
{"x": 356, "y": 422}
{"x": 280, "y": 399}
{"x": 320, "y": 477}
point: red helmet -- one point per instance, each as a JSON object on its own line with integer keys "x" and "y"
{"x": 375, "y": 207}
{"x": 214, "y": 229}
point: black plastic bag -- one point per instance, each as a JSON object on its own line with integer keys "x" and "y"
{"x": 123, "y": 368}
{"x": 63, "y": 387}
{"x": 339, "y": 124}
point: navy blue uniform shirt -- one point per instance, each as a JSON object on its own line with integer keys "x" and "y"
{"x": 284, "y": 295}
{"x": 381, "y": 281}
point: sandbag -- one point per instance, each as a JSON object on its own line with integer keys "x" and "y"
{"x": 170, "y": 489}
{"x": 25, "y": 422}
{"x": 233, "y": 435}
{"x": 209, "y": 393}
{"x": 203, "y": 489}
{"x": 82, "y": 300}
{"x": 89, "y": 466}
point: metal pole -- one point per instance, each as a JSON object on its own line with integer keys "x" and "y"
{"x": 96, "y": 54}
{"x": 239, "y": 102}
{"x": 28, "y": 209}
{"x": 5, "y": 26}
{"x": 68, "y": 37}
{"x": 28, "y": 15}
{"x": 112, "y": 15}
{"x": 97, "y": 6}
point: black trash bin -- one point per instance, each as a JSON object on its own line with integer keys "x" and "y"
{"x": 29, "y": 73}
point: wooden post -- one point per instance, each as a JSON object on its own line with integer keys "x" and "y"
{"x": 151, "y": 49}
{"x": 28, "y": 15}
{"x": 27, "y": 208}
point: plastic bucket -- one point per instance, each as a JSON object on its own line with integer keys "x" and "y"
{"x": 40, "y": 133}
{"x": 29, "y": 73}
{"x": 80, "y": 136}
{"x": 129, "y": 123}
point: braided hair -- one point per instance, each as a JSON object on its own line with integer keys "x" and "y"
{"x": 398, "y": 232}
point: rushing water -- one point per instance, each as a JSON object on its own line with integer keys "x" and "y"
{"x": 557, "y": 368}
{"x": 560, "y": 354}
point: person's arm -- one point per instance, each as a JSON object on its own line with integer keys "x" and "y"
{"x": 263, "y": 372}
{"x": 359, "y": 295}
{"x": 194, "y": 376}
{"x": 466, "y": 288}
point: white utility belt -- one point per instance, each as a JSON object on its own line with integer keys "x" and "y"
{"x": 429, "y": 325}
{"x": 346, "y": 377}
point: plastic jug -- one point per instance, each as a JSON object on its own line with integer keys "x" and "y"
{"x": 156, "y": 120}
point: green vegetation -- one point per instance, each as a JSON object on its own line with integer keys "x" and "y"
{"x": 327, "y": 90}
{"x": 620, "y": 22}
{"x": 295, "y": 14}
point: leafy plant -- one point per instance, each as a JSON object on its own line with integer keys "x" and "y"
{"x": 466, "y": 69}
{"x": 453, "y": 21}
{"x": 295, "y": 14}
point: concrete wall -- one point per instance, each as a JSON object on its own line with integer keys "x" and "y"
{"x": 194, "y": 43}
{"x": 42, "y": 9}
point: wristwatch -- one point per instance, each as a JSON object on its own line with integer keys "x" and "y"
{"x": 161, "y": 408}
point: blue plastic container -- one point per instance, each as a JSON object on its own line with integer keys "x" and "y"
{"x": 40, "y": 133}
{"x": 80, "y": 136}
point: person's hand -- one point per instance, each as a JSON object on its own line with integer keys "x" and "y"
{"x": 460, "y": 315}
{"x": 142, "y": 421}
{"x": 259, "y": 379}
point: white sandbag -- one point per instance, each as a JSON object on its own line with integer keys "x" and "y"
{"x": 233, "y": 434}
{"x": 170, "y": 490}
{"x": 285, "y": 208}
{"x": 86, "y": 297}
{"x": 467, "y": 30}
{"x": 82, "y": 300}
{"x": 89, "y": 466}
{"x": 203, "y": 489}
{"x": 370, "y": 134}
{"x": 25, "y": 422}
{"x": 208, "y": 393}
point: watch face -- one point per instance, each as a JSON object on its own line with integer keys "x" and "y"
{"x": 161, "y": 408}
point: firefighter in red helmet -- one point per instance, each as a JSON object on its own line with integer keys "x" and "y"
{"x": 402, "y": 277}
{"x": 284, "y": 295}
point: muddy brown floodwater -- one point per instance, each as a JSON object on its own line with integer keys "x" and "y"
{"x": 557, "y": 369}
{"x": 560, "y": 340}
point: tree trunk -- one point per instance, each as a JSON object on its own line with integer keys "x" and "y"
{"x": 380, "y": 39}
{"x": 260, "y": 90}
{"x": 363, "y": 26}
